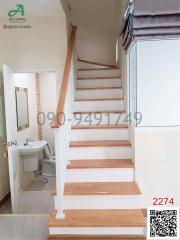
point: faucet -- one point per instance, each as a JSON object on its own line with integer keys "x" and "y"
{"x": 27, "y": 142}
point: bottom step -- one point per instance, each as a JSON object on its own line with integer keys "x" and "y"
{"x": 103, "y": 237}
{"x": 98, "y": 223}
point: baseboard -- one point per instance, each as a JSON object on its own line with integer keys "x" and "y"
{"x": 95, "y": 237}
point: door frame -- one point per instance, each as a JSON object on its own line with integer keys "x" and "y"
{"x": 7, "y": 194}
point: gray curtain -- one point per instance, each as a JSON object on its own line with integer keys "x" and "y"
{"x": 156, "y": 7}
{"x": 150, "y": 19}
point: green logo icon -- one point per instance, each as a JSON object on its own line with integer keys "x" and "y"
{"x": 19, "y": 10}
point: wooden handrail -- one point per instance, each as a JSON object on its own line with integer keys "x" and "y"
{"x": 65, "y": 81}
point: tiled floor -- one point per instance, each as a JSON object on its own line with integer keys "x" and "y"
{"x": 36, "y": 202}
{"x": 19, "y": 227}
{"x": 36, "y": 199}
{"x": 37, "y": 185}
{"x": 31, "y": 221}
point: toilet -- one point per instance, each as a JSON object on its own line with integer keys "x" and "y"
{"x": 48, "y": 163}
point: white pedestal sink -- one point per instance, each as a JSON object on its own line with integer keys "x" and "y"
{"x": 30, "y": 154}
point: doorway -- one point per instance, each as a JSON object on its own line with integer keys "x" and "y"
{"x": 30, "y": 104}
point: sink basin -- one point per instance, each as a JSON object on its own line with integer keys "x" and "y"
{"x": 30, "y": 155}
{"x": 32, "y": 147}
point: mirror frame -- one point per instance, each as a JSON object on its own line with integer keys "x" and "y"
{"x": 20, "y": 128}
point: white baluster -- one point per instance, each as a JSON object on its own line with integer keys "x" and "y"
{"x": 62, "y": 139}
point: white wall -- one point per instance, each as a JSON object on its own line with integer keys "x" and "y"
{"x": 98, "y": 48}
{"x": 156, "y": 148}
{"x": 41, "y": 48}
{"x": 44, "y": 46}
{"x": 157, "y": 155}
{"x": 48, "y": 96}
{"x": 98, "y": 28}
{"x": 158, "y": 82}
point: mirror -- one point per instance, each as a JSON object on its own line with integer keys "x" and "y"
{"x": 22, "y": 111}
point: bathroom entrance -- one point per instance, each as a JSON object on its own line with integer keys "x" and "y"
{"x": 30, "y": 104}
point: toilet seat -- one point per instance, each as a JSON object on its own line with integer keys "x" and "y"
{"x": 49, "y": 162}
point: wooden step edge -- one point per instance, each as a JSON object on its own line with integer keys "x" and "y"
{"x": 98, "y": 78}
{"x": 98, "y": 88}
{"x": 98, "y": 69}
{"x": 98, "y": 218}
{"x": 102, "y": 188}
{"x": 97, "y": 237}
{"x": 98, "y": 164}
{"x": 97, "y": 63}
{"x": 96, "y": 188}
{"x": 95, "y": 112}
{"x": 100, "y": 143}
{"x": 84, "y": 127}
{"x": 99, "y": 100}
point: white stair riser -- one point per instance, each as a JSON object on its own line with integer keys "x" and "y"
{"x": 86, "y": 119}
{"x": 80, "y": 106}
{"x": 97, "y": 231}
{"x": 99, "y": 83}
{"x": 99, "y": 134}
{"x": 100, "y": 175}
{"x": 83, "y": 65}
{"x": 99, "y": 73}
{"x": 101, "y": 202}
{"x": 99, "y": 93}
{"x": 82, "y": 153}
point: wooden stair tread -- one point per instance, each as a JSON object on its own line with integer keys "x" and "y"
{"x": 99, "y": 126}
{"x": 98, "y": 218}
{"x": 101, "y": 143}
{"x": 97, "y": 69}
{"x": 96, "y": 237}
{"x": 99, "y": 99}
{"x": 98, "y": 78}
{"x": 102, "y": 188}
{"x": 98, "y": 64}
{"x": 99, "y": 88}
{"x": 106, "y": 163}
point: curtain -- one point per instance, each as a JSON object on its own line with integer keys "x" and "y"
{"x": 150, "y": 19}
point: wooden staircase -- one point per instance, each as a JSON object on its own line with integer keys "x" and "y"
{"x": 100, "y": 194}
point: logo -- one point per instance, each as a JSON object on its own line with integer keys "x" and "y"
{"x": 19, "y": 10}
{"x": 17, "y": 18}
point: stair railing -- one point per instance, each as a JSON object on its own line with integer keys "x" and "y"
{"x": 63, "y": 121}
